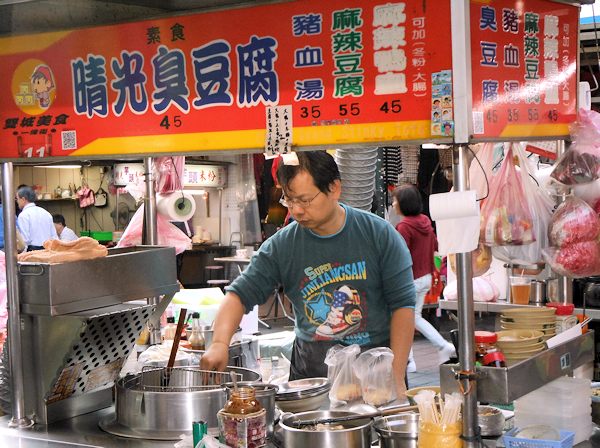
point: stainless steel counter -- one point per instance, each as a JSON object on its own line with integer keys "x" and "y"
{"x": 83, "y": 431}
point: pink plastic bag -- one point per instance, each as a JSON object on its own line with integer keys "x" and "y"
{"x": 169, "y": 174}
{"x": 573, "y": 221}
{"x": 574, "y": 232}
{"x": 506, "y": 217}
{"x": 168, "y": 234}
{"x": 580, "y": 164}
{"x": 541, "y": 206}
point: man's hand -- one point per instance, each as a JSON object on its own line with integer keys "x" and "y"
{"x": 216, "y": 357}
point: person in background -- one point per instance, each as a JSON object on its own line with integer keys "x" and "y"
{"x": 416, "y": 229}
{"x": 64, "y": 233}
{"x": 34, "y": 223}
{"x": 346, "y": 272}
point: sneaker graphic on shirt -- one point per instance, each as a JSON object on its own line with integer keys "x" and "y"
{"x": 345, "y": 314}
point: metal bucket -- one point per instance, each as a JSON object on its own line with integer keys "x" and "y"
{"x": 356, "y": 434}
{"x": 164, "y": 412}
{"x": 397, "y": 431}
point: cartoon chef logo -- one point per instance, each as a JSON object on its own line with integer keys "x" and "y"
{"x": 33, "y": 86}
{"x": 42, "y": 82}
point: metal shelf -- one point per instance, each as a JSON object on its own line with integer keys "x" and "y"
{"x": 498, "y": 307}
{"x": 504, "y": 385}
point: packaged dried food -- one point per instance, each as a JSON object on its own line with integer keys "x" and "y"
{"x": 345, "y": 385}
{"x": 374, "y": 369}
{"x": 506, "y": 217}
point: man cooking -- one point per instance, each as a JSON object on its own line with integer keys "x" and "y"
{"x": 348, "y": 274}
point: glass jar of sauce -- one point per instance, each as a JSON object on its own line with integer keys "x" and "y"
{"x": 243, "y": 420}
{"x": 494, "y": 359}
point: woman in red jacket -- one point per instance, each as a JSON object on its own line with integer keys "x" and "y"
{"x": 416, "y": 229}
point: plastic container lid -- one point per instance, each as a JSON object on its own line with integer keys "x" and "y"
{"x": 486, "y": 337}
{"x": 493, "y": 357}
{"x": 562, "y": 309}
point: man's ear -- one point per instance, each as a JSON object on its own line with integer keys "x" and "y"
{"x": 335, "y": 189}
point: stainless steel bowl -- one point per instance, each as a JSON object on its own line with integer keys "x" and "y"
{"x": 397, "y": 431}
{"x": 491, "y": 421}
{"x": 356, "y": 434}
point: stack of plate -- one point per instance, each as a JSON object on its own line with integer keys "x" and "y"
{"x": 357, "y": 169}
{"x": 518, "y": 345}
{"x": 540, "y": 318}
{"x": 302, "y": 395}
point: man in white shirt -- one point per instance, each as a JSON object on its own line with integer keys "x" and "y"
{"x": 34, "y": 223}
{"x": 64, "y": 233}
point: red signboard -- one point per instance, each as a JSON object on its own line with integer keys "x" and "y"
{"x": 524, "y": 65}
{"x": 353, "y": 71}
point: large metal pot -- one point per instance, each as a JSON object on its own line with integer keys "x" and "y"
{"x": 163, "y": 413}
{"x": 356, "y": 434}
{"x": 397, "y": 431}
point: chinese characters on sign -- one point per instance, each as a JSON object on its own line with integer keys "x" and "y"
{"x": 355, "y": 71}
{"x": 204, "y": 176}
{"x": 522, "y": 84}
{"x": 279, "y": 131}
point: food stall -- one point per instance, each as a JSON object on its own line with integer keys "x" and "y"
{"x": 186, "y": 84}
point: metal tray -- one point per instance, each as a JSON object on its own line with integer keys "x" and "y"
{"x": 124, "y": 275}
{"x": 506, "y": 384}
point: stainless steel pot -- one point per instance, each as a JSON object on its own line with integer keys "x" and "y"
{"x": 356, "y": 434}
{"x": 397, "y": 431}
{"x": 265, "y": 394}
{"x": 164, "y": 413}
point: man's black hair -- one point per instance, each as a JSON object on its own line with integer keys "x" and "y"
{"x": 409, "y": 200}
{"x": 319, "y": 164}
{"x": 59, "y": 219}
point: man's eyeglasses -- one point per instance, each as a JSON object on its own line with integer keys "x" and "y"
{"x": 291, "y": 203}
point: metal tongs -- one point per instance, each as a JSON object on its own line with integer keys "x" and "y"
{"x": 349, "y": 418}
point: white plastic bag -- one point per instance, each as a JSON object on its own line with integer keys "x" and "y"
{"x": 484, "y": 290}
{"x": 478, "y": 174}
{"x": 374, "y": 369}
{"x": 540, "y": 205}
{"x": 168, "y": 234}
{"x": 345, "y": 386}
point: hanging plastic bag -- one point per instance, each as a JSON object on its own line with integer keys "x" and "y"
{"x": 580, "y": 164}
{"x": 480, "y": 173}
{"x": 574, "y": 232}
{"x": 506, "y": 217}
{"x": 345, "y": 386}
{"x": 541, "y": 206}
{"x": 481, "y": 260}
{"x": 169, "y": 174}
{"x": 573, "y": 221}
{"x": 168, "y": 234}
{"x": 590, "y": 193}
{"x": 375, "y": 371}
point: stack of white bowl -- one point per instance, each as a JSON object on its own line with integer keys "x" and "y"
{"x": 518, "y": 345}
{"x": 539, "y": 318}
{"x": 358, "y": 170}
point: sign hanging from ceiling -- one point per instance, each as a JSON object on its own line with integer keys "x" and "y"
{"x": 353, "y": 71}
{"x": 524, "y": 66}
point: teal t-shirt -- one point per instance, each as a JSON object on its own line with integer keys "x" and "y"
{"x": 343, "y": 287}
